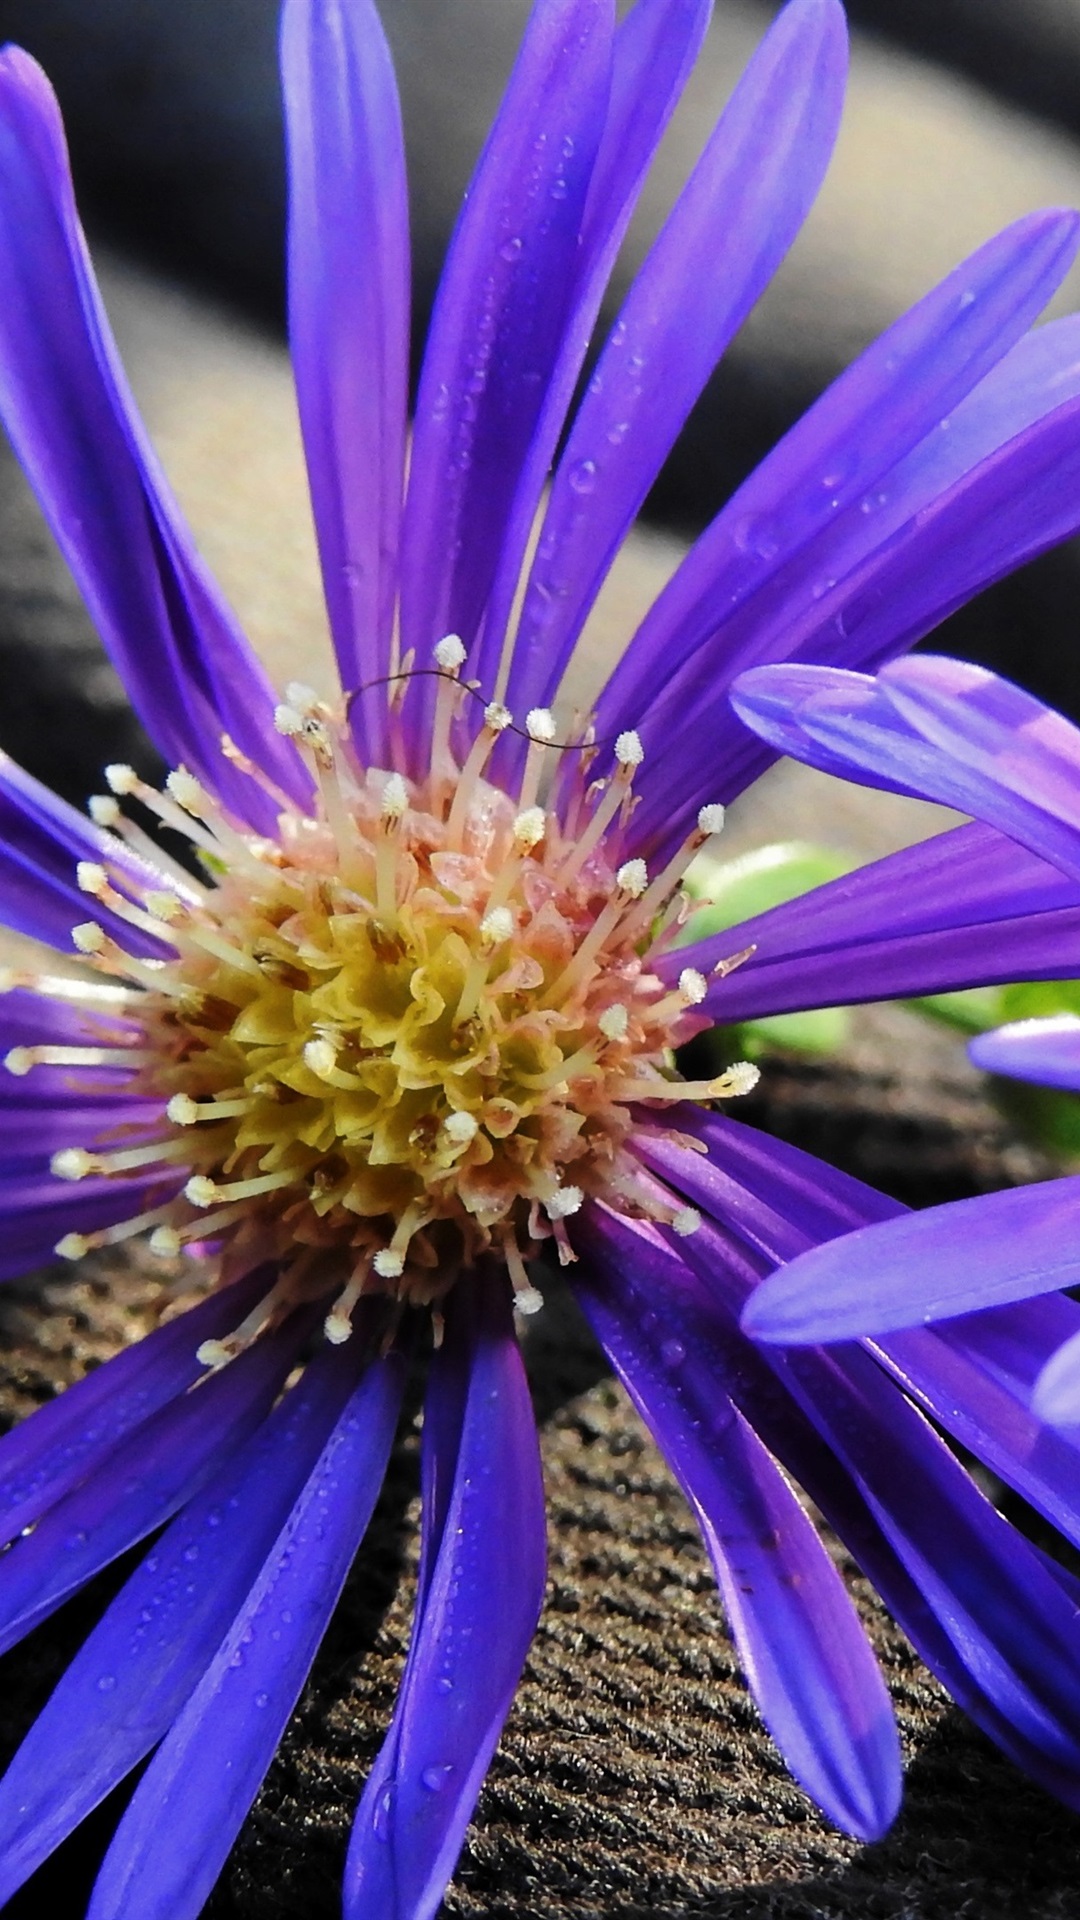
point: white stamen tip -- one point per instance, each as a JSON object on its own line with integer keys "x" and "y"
{"x": 320, "y": 1057}
{"x": 186, "y": 791}
{"x": 88, "y": 937}
{"x": 563, "y": 1202}
{"x": 288, "y": 721}
{"x": 164, "y": 906}
{"x": 711, "y": 819}
{"x": 540, "y": 725}
{"x": 165, "y": 1242}
{"x": 395, "y": 798}
{"x": 686, "y": 1222}
{"x": 91, "y": 877}
{"x": 73, "y": 1246}
{"x": 633, "y": 878}
{"x": 461, "y": 1128}
{"x": 530, "y": 828}
{"x": 629, "y": 751}
{"x": 71, "y": 1163}
{"x": 497, "y": 926}
{"x": 104, "y": 811}
{"x": 740, "y": 1078}
{"x": 213, "y": 1353}
{"x": 303, "y": 698}
{"x": 200, "y": 1191}
{"x": 121, "y": 778}
{"x": 528, "y": 1300}
{"x": 19, "y": 1060}
{"x": 182, "y": 1110}
{"x": 388, "y": 1265}
{"x": 614, "y": 1021}
{"x": 693, "y": 986}
{"x": 450, "y": 653}
{"x": 498, "y": 717}
{"x": 338, "y": 1328}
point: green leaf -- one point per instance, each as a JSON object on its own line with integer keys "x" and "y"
{"x": 740, "y": 889}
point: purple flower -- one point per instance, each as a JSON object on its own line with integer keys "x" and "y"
{"x": 959, "y": 734}
{"x": 407, "y": 1014}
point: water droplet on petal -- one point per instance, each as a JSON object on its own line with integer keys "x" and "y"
{"x": 510, "y": 249}
{"x": 435, "y": 1778}
{"x": 672, "y": 1353}
{"x": 262, "y": 1699}
{"x": 384, "y": 1808}
{"x": 106, "y": 1683}
{"x": 582, "y": 476}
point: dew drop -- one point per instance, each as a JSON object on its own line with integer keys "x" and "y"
{"x": 510, "y": 249}
{"x": 262, "y": 1699}
{"x": 435, "y": 1778}
{"x": 672, "y": 1353}
{"x": 444, "y": 1684}
{"x": 106, "y": 1683}
{"x": 380, "y": 1819}
{"x": 582, "y": 476}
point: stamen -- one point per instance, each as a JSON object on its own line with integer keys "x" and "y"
{"x": 629, "y": 753}
{"x": 449, "y": 658}
{"x": 20, "y": 1059}
{"x": 540, "y": 727}
{"x": 388, "y": 1265}
{"x": 203, "y": 1192}
{"x": 75, "y": 1163}
{"x": 183, "y": 1111}
{"x": 338, "y": 1326}
{"x": 614, "y": 1021}
{"x": 59, "y": 986}
{"x": 75, "y": 1246}
{"x": 710, "y": 821}
{"x": 496, "y": 720}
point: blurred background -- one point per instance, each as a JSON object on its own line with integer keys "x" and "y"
{"x": 962, "y": 114}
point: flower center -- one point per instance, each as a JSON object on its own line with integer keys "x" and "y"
{"x": 415, "y": 1029}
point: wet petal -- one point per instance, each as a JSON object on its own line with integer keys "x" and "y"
{"x": 482, "y": 1585}
{"x": 349, "y": 318}
{"x": 65, "y": 403}
{"x": 172, "y": 1842}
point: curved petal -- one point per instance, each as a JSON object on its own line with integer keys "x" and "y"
{"x": 65, "y": 1440}
{"x": 655, "y": 47}
{"x": 71, "y": 418}
{"x": 481, "y": 1590}
{"x": 890, "y": 434}
{"x": 719, "y": 248}
{"x": 140, "y": 1482}
{"x": 806, "y": 1657}
{"x": 187, "y": 1809}
{"x": 147, "y": 1653}
{"x": 1056, "y": 1394}
{"x": 349, "y": 319}
{"x": 952, "y": 1259}
{"x": 1046, "y": 1051}
{"x": 499, "y": 319}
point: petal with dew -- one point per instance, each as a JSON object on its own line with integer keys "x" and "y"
{"x": 732, "y": 225}
{"x": 805, "y": 1654}
{"x": 73, "y": 424}
{"x": 147, "y": 1653}
{"x": 349, "y": 320}
{"x": 482, "y": 1585}
{"x": 172, "y": 1842}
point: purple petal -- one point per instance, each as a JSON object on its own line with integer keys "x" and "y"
{"x": 721, "y": 245}
{"x": 65, "y": 1440}
{"x": 29, "y": 1019}
{"x": 868, "y": 455}
{"x": 73, "y": 424}
{"x": 806, "y": 1657}
{"x": 952, "y": 1259}
{"x": 1046, "y": 1051}
{"x": 146, "y": 1655}
{"x": 172, "y": 1842}
{"x": 480, "y": 1598}
{"x": 140, "y": 1482}
{"x": 1056, "y": 1393}
{"x": 964, "y": 908}
{"x": 1011, "y": 507}
{"x": 349, "y": 317}
{"x": 37, "y": 1210}
{"x": 31, "y": 1132}
{"x": 655, "y": 47}
{"x": 41, "y": 841}
{"x": 500, "y": 318}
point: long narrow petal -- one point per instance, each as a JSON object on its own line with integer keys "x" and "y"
{"x": 499, "y": 319}
{"x": 964, "y": 908}
{"x": 721, "y": 245}
{"x": 1009, "y": 508}
{"x": 349, "y": 316}
{"x": 476, "y": 1615}
{"x": 927, "y": 1266}
{"x": 1046, "y": 1051}
{"x": 1055, "y": 1395}
{"x": 73, "y": 424}
{"x": 172, "y": 1842}
{"x": 37, "y": 1210}
{"x": 65, "y": 1440}
{"x": 140, "y": 1483}
{"x": 870, "y": 452}
{"x": 655, "y": 47}
{"x": 31, "y": 1133}
{"x": 805, "y": 1654}
{"x": 147, "y": 1653}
